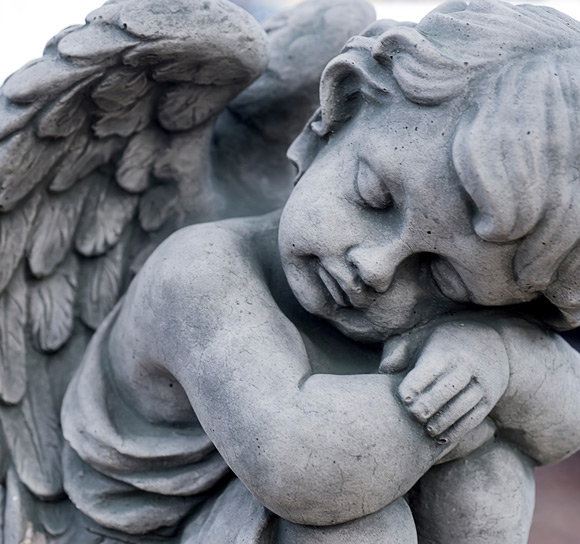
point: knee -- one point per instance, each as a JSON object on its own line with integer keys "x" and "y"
{"x": 393, "y": 524}
{"x": 486, "y": 497}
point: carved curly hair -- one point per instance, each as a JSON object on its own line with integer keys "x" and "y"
{"x": 516, "y": 148}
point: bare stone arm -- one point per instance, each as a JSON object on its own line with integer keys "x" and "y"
{"x": 540, "y": 410}
{"x": 315, "y": 449}
{"x": 537, "y": 408}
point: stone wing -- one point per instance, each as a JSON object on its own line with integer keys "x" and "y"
{"x": 124, "y": 131}
{"x": 104, "y": 151}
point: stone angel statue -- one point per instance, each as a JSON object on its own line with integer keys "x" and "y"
{"x": 183, "y": 362}
{"x": 127, "y": 129}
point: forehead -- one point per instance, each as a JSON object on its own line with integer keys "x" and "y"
{"x": 404, "y": 142}
{"x": 399, "y": 147}
{"x": 356, "y": 86}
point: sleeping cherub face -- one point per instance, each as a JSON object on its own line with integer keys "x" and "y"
{"x": 377, "y": 236}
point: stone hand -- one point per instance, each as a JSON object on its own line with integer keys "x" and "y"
{"x": 459, "y": 376}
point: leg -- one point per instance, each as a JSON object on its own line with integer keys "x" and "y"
{"x": 486, "y": 497}
{"x": 391, "y": 525}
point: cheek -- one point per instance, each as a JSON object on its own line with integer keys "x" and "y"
{"x": 305, "y": 284}
{"x": 316, "y": 221}
{"x": 293, "y": 233}
{"x": 412, "y": 299}
{"x": 404, "y": 305}
{"x": 489, "y": 278}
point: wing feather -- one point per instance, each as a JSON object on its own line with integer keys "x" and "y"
{"x": 101, "y": 283}
{"x": 157, "y": 206}
{"x": 136, "y": 166}
{"x": 104, "y": 151}
{"x": 13, "y": 349}
{"x": 14, "y": 116}
{"x": 79, "y": 46}
{"x": 24, "y": 163}
{"x": 54, "y": 229}
{"x": 131, "y": 120}
{"x": 107, "y": 211}
{"x": 44, "y": 79}
{"x": 32, "y": 430}
{"x": 120, "y": 89}
{"x": 66, "y": 115}
{"x": 86, "y": 155}
{"x": 15, "y": 229}
{"x": 185, "y": 106}
{"x": 51, "y": 47}
{"x": 52, "y": 305}
{"x": 16, "y": 510}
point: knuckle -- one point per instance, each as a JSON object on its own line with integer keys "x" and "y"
{"x": 407, "y": 393}
{"x": 435, "y": 429}
{"x": 476, "y": 389}
{"x": 421, "y": 411}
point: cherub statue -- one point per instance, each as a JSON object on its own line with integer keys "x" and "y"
{"x": 375, "y": 363}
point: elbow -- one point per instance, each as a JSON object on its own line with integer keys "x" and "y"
{"x": 552, "y": 441}
{"x": 311, "y": 490}
{"x": 294, "y": 499}
{"x": 561, "y": 442}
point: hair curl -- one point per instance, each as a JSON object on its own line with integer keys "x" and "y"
{"x": 519, "y": 65}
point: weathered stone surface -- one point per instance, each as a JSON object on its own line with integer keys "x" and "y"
{"x": 375, "y": 359}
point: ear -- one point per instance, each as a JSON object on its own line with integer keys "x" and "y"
{"x": 349, "y": 80}
{"x": 305, "y": 148}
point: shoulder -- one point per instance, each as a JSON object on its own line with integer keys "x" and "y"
{"x": 204, "y": 282}
{"x": 198, "y": 247}
{"x": 204, "y": 258}
{"x": 177, "y": 303}
{"x": 200, "y": 273}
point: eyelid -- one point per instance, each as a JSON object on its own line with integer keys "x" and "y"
{"x": 370, "y": 188}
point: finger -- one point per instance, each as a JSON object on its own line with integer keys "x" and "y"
{"x": 396, "y": 356}
{"x": 415, "y": 383}
{"x": 431, "y": 366}
{"x": 455, "y": 410}
{"x": 430, "y": 402}
{"x": 466, "y": 424}
{"x": 471, "y": 441}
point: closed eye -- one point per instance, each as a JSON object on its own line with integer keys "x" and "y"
{"x": 370, "y": 189}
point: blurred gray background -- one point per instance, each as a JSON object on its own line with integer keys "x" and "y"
{"x": 26, "y": 25}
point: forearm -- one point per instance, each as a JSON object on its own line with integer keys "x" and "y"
{"x": 315, "y": 449}
{"x": 334, "y": 449}
{"x": 540, "y": 411}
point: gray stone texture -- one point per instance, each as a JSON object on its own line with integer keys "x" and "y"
{"x": 192, "y": 351}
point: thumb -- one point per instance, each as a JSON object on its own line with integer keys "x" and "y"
{"x": 396, "y": 355}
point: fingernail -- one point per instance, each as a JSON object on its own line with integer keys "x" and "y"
{"x": 442, "y": 441}
{"x": 408, "y": 400}
{"x": 430, "y": 429}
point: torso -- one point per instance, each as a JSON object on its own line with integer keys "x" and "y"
{"x": 157, "y": 395}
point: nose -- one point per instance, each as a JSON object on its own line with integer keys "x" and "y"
{"x": 376, "y": 265}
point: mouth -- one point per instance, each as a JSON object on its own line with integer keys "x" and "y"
{"x": 334, "y": 288}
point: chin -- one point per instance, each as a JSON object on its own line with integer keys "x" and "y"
{"x": 398, "y": 311}
{"x": 355, "y": 325}
{"x": 379, "y": 323}
{"x": 365, "y": 334}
